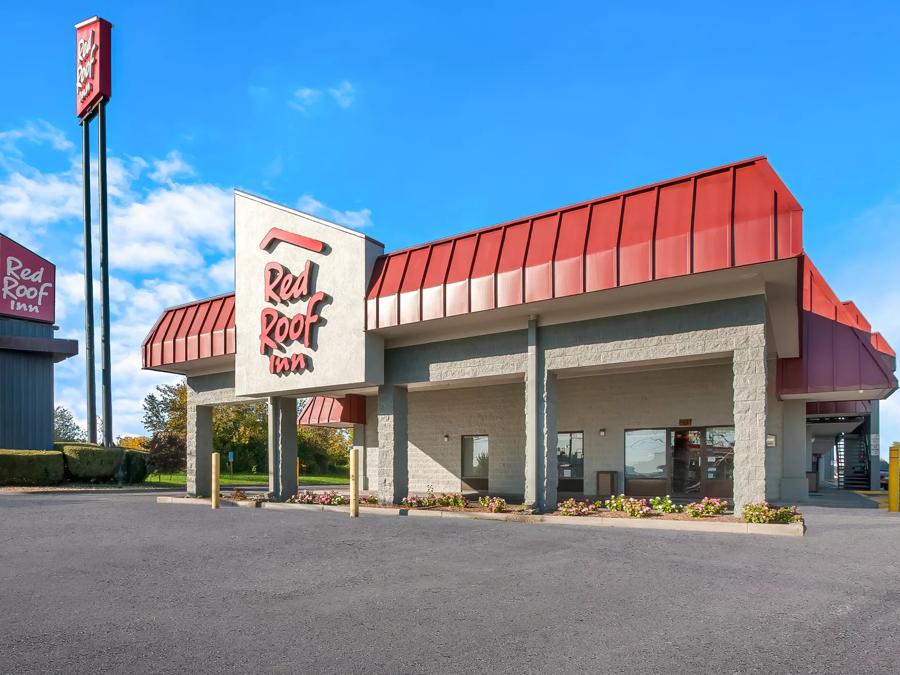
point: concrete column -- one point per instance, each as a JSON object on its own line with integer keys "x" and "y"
{"x": 393, "y": 466}
{"x": 540, "y": 427}
{"x": 199, "y": 449}
{"x": 282, "y": 447}
{"x": 359, "y": 442}
{"x": 794, "y": 484}
{"x": 750, "y": 410}
{"x": 875, "y": 447}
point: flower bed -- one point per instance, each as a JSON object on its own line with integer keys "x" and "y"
{"x": 708, "y": 508}
{"x": 329, "y": 498}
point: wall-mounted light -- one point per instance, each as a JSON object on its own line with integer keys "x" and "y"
{"x": 602, "y": 432}
{"x": 446, "y": 437}
{"x": 771, "y": 440}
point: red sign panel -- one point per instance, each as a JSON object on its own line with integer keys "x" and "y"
{"x": 93, "y": 80}
{"x": 27, "y": 283}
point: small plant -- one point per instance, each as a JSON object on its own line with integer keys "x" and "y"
{"x": 455, "y": 501}
{"x": 761, "y": 512}
{"x": 368, "y": 499}
{"x": 708, "y": 506}
{"x": 304, "y": 497}
{"x": 572, "y": 507}
{"x": 493, "y": 504}
{"x": 239, "y": 495}
{"x": 637, "y": 508}
{"x": 331, "y": 498}
{"x": 665, "y": 505}
{"x": 426, "y": 501}
{"x": 616, "y": 503}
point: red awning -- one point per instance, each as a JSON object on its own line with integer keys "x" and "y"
{"x": 198, "y": 330}
{"x": 326, "y": 411}
{"x": 738, "y": 214}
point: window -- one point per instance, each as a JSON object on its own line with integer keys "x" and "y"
{"x": 475, "y": 457}
{"x": 720, "y": 453}
{"x": 645, "y": 453}
{"x": 570, "y": 454}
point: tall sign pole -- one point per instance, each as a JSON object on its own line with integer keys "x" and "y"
{"x": 88, "y": 284}
{"x": 93, "y": 88}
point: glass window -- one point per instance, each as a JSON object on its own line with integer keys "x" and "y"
{"x": 570, "y": 454}
{"x": 720, "y": 453}
{"x": 645, "y": 453}
{"x": 474, "y": 456}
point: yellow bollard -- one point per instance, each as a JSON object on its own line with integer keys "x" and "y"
{"x": 354, "y": 482}
{"x": 214, "y": 492}
{"x": 894, "y": 478}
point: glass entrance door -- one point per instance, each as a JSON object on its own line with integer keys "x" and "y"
{"x": 687, "y": 456}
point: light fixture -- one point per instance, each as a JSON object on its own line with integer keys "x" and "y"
{"x": 446, "y": 437}
{"x": 603, "y": 432}
{"x": 771, "y": 440}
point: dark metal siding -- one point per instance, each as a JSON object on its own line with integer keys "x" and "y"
{"x": 26, "y": 390}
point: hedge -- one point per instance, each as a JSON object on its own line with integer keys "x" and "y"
{"x": 135, "y": 466}
{"x": 91, "y": 462}
{"x": 31, "y": 467}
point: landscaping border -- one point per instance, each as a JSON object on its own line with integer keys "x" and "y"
{"x": 699, "y": 525}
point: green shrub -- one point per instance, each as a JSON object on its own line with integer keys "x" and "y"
{"x": 761, "y": 512}
{"x": 92, "y": 462}
{"x": 30, "y": 467}
{"x": 135, "y": 466}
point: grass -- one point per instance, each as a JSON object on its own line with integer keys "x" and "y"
{"x": 261, "y": 479}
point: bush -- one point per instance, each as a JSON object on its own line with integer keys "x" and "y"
{"x": 456, "y": 501}
{"x": 572, "y": 507}
{"x": 665, "y": 505}
{"x": 708, "y": 506}
{"x": 761, "y": 512}
{"x": 493, "y": 504}
{"x": 329, "y": 498}
{"x": 92, "y": 462}
{"x": 135, "y": 466}
{"x": 368, "y": 499}
{"x": 31, "y": 467}
{"x": 637, "y": 508}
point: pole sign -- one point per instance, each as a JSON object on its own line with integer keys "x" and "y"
{"x": 93, "y": 79}
{"x": 27, "y": 283}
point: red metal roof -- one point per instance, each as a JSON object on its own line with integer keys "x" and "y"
{"x": 197, "y": 330}
{"x": 733, "y": 215}
{"x": 838, "y": 408}
{"x": 329, "y": 411}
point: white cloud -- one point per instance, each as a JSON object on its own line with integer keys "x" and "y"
{"x": 356, "y": 219}
{"x": 303, "y": 98}
{"x": 173, "y": 166}
{"x": 343, "y": 94}
{"x": 35, "y": 131}
{"x": 31, "y": 200}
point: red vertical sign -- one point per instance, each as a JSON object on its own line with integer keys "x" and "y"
{"x": 93, "y": 80}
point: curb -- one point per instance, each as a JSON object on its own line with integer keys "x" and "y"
{"x": 715, "y": 527}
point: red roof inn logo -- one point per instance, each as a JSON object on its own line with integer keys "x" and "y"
{"x": 92, "y": 64}
{"x": 283, "y": 288}
{"x": 27, "y": 283}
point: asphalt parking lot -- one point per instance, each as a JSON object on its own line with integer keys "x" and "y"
{"x": 119, "y": 584}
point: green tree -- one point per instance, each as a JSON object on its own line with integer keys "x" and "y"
{"x": 166, "y": 452}
{"x": 166, "y": 409}
{"x": 65, "y": 428}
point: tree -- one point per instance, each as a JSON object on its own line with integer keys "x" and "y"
{"x": 166, "y": 409}
{"x": 65, "y": 428}
{"x": 166, "y": 453}
{"x": 133, "y": 442}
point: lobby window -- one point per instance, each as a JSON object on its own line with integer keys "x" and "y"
{"x": 475, "y": 462}
{"x": 645, "y": 453}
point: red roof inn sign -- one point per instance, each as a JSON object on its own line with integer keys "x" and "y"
{"x": 93, "y": 81}
{"x": 27, "y": 283}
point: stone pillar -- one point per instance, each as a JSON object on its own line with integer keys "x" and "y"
{"x": 199, "y": 449}
{"x": 749, "y": 368}
{"x": 359, "y": 442}
{"x": 393, "y": 467}
{"x": 794, "y": 484}
{"x": 282, "y": 447}
{"x": 540, "y": 428}
{"x": 875, "y": 447}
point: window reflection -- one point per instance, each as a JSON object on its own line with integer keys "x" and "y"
{"x": 570, "y": 454}
{"x": 475, "y": 456}
{"x": 645, "y": 453}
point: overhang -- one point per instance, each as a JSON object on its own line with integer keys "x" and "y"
{"x": 328, "y": 411}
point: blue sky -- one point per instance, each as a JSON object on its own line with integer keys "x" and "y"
{"x": 416, "y": 121}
